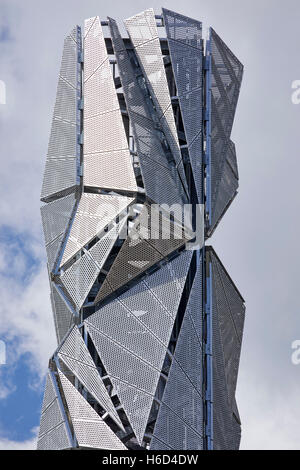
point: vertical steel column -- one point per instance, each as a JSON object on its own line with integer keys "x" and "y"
{"x": 207, "y": 118}
{"x": 208, "y": 355}
{"x": 208, "y": 267}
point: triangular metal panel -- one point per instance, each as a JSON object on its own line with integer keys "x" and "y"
{"x": 94, "y": 213}
{"x": 230, "y": 309}
{"x": 56, "y": 216}
{"x": 162, "y": 181}
{"x": 105, "y": 142}
{"x": 62, "y": 163}
{"x": 182, "y": 28}
{"x": 90, "y": 430}
{"x": 146, "y": 245}
{"x": 136, "y": 328}
{"x": 80, "y": 277}
{"x": 63, "y": 316}
{"x": 123, "y": 366}
{"x": 53, "y": 432}
{"x": 151, "y": 61}
{"x": 74, "y": 353}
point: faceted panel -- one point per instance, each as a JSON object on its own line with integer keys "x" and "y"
{"x": 225, "y": 75}
{"x": 125, "y": 328}
{"x": 94, "y": 213}
{"x": 151, "y": 61}
{"x": 63, "y": 317}
{"x": 62, "y": 163}
{"x": 228, "y": 312}
{"x": 52, "y": 433}
{"x": 145, "y": 246}
{"x": 168, "y": 282}
{"x": 105, "y": 142}
{"x": 80, "y": 277}
{"x": 74, "y": 353}
{"x": 142, "y": 27}
{"x": 229, "y": 309}
{"x": 111, "y": 170}
{"x": 186, "y": 54}
{"x": 56, "y": 439}
{"x": 90, "y": 429}
{"x": 136, "y": 328}
{"x": 138, "y": 377}
{"x": 182, "y": 28}
{"x": 226, "y": 190}
{"x": 53, "y": 249}
{"x": 171, "y": 432}
{"x": 56, "y": 216}
{"x": 155, "y": 148}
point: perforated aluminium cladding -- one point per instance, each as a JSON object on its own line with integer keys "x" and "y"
{"x": 151, "y": 61}
{"x": 90, "y": 429}
{"x": 107, "y": 160}
{"x": 228, "y": 310}
{"x": 182, "y": 400}
{"x": 162, "y": 181}
{"x": 80, "y": 277}
{"x": 61, "y": 171}
{"x": 63, "y": 317}
{"x": 56, "y": 216}
{"x": 186, "y": 54}
{"x": 182, "y": 28}
{"x": 136, "y": 329}
{"x": 146, "y": 276}
{"x": 52, "y": 433}
{"x": 225, "y": 76}
{"x": 145, "y": 246}
{"x": 74, "y": 353}
{"x": 94, "y": 212}
{"x": 127, "y": 369}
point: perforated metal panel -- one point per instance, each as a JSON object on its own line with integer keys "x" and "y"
{"x": 230, "y": 308}
{"x": 150, "y": 58}
{"x": 168, "y": 282}
{"x": 52, "y": 432}
{"x": 183, "y": 28}
{"x": 226, "y": 188}
{"x": 56, "y": 439}
{"x": 107, "y": 160}
{"x": 138, "y": 377}
{"x": 225, "y": 77}
{"x": 90, "y": 429}
{"x": 139, "y": 253}
{"x": 80, "y": 277}
{"x": 74, "y": 353}
{"x": 136, "y": 328}
{"x": 56, "y": 216}
{"x": 63, "y": 317}
{"x": 62, "y": 163}
{"x": 172, "y": 433}
{"x": 228, "y": 311}
{"x": 186, "y": 54}
{"x": 94, "y": 212}
{"x": 161, "y": 179}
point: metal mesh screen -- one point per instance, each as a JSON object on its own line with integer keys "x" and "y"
{"x": 77, "y": 358}
{"x": 90, "y": 429}
{"x": 63, "y": 152}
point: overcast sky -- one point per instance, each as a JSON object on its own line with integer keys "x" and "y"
{"x": 257, "y": 239}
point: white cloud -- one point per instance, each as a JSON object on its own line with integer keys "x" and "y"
{"x": 30, "y": 444}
